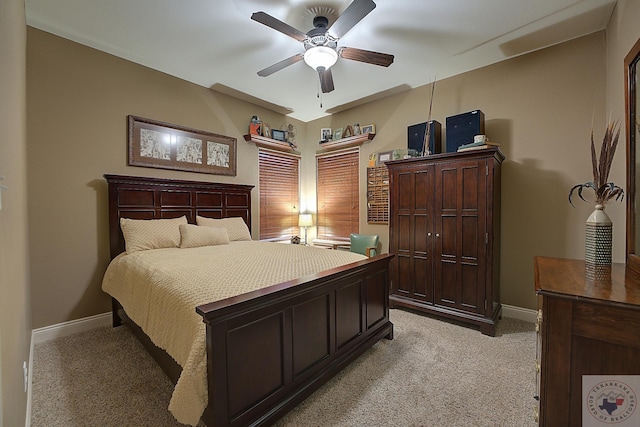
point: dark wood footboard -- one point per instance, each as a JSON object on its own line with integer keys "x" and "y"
{"x": 270, "y": 349}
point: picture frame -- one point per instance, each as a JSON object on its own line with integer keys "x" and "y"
{"x": 325, "y": 134}
{"x": 279, "y": 135}
{"x": 160, "y": 145}
{"x": 385, "y": 156}
{"x": 337, "y": 134}
{"x": 369, "y": 129}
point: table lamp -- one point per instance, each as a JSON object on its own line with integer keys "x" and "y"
{"x": 306, "y": 221}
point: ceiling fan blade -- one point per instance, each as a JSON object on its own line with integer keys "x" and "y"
{"x": 326, "y": 80}
{"x": 370, "y": 57}
{"x": 278, "y": 25}
{"x": 351, "y": 16}
{"x": 280, "y": 65}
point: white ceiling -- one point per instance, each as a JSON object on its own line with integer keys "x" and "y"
{"x": 215, "y": 44}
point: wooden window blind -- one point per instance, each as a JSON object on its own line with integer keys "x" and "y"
{"x": 279, "y": 194}
{"x": 338, "y": 194}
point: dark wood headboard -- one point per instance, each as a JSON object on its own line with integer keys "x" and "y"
{"x": 153, "y": 198}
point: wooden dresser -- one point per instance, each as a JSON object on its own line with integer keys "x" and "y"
{"x": 444, "y": 229}
{"x": 590, "y": 325}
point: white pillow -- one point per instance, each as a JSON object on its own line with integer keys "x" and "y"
{"x": 143, "y": 234}
{"x": 193, "y": 236}
{"x": 236, "y": 227}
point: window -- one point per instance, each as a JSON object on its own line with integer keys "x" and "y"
{"x": 338, "y": 194}
{"x": 279, "y": 194}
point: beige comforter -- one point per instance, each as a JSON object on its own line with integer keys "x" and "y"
{"x": 159, "y": 289}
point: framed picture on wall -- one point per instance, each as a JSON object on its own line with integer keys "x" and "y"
{"x": 155, "y": 144}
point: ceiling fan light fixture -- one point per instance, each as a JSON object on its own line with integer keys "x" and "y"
{"x": 320, "y": 56}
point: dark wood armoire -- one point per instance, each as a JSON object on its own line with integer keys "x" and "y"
{"x": 444, "y": 229}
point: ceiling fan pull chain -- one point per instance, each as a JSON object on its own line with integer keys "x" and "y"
{"x": 319, "y": 94}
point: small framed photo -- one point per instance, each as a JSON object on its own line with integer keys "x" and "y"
{"x": 266, "y": 130}
{"x": 325, "y": 134}
{"x": 279, "y": 135}
{"x": 385, "y": 156}
{"x": 369, "y": 129}
{"x": 337, "y": 134}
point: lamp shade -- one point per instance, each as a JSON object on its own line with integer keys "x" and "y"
{"x": 320, "y": 56}
{"x": 305, "y": 220}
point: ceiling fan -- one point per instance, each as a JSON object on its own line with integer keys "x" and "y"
{"x": 321, "y": 49}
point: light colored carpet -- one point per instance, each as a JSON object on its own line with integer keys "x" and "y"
{"x": 433, "y": 373}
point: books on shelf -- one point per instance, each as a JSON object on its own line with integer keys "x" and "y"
{"x": 478, "y": 146}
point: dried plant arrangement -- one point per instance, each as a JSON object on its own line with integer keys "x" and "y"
{"x": 604, "y": 190}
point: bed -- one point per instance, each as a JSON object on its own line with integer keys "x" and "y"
{"x": 269, "y": 348}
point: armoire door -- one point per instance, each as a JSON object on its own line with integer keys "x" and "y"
{"x": 460, "y": 235}
{"x": 412, "y": 233}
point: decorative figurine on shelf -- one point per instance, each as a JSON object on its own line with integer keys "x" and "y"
{"x": 356, "y": 129}
{"x": 255, "y": 126}
{"x": 291, "y": 131}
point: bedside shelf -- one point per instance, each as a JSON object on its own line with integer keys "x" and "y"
{"x": 351, "y": 141}
{"x": 264, "y": 142}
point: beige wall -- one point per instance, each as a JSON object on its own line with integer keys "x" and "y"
{"x": 622, "y": 33}
{"x": 15, "y": 310}
{"x": 78, "y": 102}
{"x": 538, "y": 106}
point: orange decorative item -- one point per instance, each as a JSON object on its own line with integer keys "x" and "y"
{"x": 255, "y": 126}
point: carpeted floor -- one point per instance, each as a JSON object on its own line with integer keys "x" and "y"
{"x": 433, "y": 373}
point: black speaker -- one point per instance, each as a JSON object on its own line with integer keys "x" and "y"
{"x": 462, "y": 128}
{"x": 416, "y": 135}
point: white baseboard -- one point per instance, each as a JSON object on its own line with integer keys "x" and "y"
{"x": 69, "y": 328}
{"x": 519, "y": 313}
{"x": 27, "y": 422}
{"x": 57, "y": 331}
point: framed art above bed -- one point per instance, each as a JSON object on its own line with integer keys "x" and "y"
{"x": 156, "y": 144}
